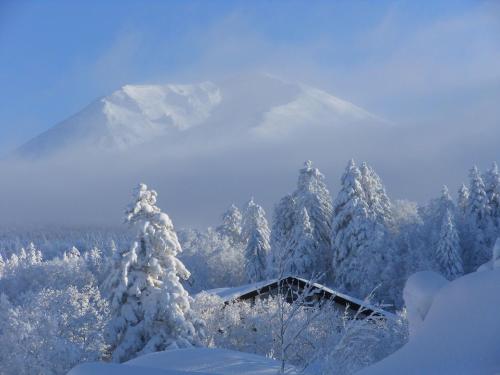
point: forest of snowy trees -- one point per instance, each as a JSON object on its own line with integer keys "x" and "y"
{"x": 70, "y": 296}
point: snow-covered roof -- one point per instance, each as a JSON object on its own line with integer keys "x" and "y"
{"x": 251, "y": 290}
{"x": 232, "y": 293}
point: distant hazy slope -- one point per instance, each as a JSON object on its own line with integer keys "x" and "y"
{"x": 129, "y": 116}
{"x": 137, "y": 114}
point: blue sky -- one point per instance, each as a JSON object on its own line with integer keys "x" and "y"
{"x": 407, "y": 60}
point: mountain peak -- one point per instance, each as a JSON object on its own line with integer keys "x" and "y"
{"x": 161, "y": 108}
{"x": 256, "y": 104}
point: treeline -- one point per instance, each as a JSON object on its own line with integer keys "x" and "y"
{"x": 361, "y": 241}
{"x": 80, "y": 305}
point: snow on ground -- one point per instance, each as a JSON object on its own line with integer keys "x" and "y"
{"x": 196, "y": 361}
{"x": 118, "y": 369}
{"x": 418, "y": 294}
{"x": 494, "y": 263}
{"x": 460, "y": 334}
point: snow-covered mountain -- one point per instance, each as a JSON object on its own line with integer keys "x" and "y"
{"x": 256, "y": 105}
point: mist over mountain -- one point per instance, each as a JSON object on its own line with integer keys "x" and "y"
{"x": 253, "y": 105}
{"x": 206, "y": 145}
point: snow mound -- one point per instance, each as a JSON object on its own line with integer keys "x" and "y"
{"x": 117, "y": 369}
{"x": 494, "y": 263}
{"x": 418, "y": 295}
{"x": 196, "y": 361}
{"x": 460, "y": 335}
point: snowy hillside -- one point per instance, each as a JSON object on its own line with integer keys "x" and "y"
{"x": 129, "y": 116}
{"x": 459, "y": 334}
{"x": 136, "y": 114}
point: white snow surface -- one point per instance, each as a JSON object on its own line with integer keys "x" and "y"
{"x": 231, "y": 293}
{"x": 257, "y": 105}
{"x": 418, "y": 294}
{"x": 460, "y": 334}
{"x": 197, "y": 361}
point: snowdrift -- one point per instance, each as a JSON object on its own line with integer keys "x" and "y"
{"x": 460, "y": 333}
{"x": 196, "y": 361}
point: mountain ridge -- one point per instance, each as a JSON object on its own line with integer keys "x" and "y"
{"x": 257, "y": 105}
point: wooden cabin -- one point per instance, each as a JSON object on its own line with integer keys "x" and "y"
{"x": 294, "y": 288}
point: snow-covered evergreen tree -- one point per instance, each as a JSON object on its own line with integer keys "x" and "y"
{"x": 34, "y": 255}
{"x": 304, "y": 247}
{"x": 2, "y": 265}
{"x": 491, "y": 178}
{"x": 25, "y": 257}
{"x": 313, "y": 195}
{"x": 151, "y": 308}
{"x": 433, "y": 215}
{"x": 434, "y": 211}
{"x": 446, "y": 202}
{"x": 392, "y": 276}
{"x": 96, "y": 264}
{"x": 448, "y": 252}
{"x": 479, "y": 224}
{"x": 364, "y": 250}
{"x": 12, "y": 263}
{"x": 281, "y": 254}
{"x": 231, "y": 225}
{"x": 461, "y": 222}
{"x": 22, "y": 256}
{"x": 113, "y": 286}
{"x": 463, "y": 198}
{"x": 310, "y": 200}
{"x": 72, "y": 253}
{"x": 408, "y": 238}
{"x": 352, "y": 235}
{"x": 256, "y": 233}
{"x": 376, "y": 197}
{"x": 492, "y": 189}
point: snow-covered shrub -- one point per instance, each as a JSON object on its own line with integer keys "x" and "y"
{"x": 331, "y": 343}
{"x": 51, "y": 314}
{"x": 231, "y": 226}
{"x": 53, "y": 241}
{"x": 360, "y": 343}
{"x": 20, "y": 278}
{"x": 51, "y": 330}
{"x": 214, "y": 261}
